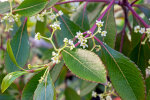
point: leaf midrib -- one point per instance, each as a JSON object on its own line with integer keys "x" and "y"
{"x": 30, "y": 6}
{"x": 81, "y": 63}
{"x": 119, "y": 69}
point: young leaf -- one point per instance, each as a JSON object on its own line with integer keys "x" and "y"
{"x": 124, "y": 74}
{"x": 20, "y": 49}
{"x": 85, "y": 64}
{"x": 9, "y": 78}
{"x": 45, "y": 91}
{"x": 70, "y": 94}
{"x": 68, "y": 29}
{"x": 31, "y": 7}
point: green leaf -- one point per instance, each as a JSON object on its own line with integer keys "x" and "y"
{"x": 140, "y": 56}
{"x": 31, "y": 86}
{"x": 70, "y": 94}
{"x": 124, "y": 74}
{"x": 10, "y": 53}
{"x": 31, "y": 7}
{"x": 87, "y": 87}
{"x": 41, "y": 26}
{"x": 110, "y": 27}
{"x": 148, "y": 84}
{"x": 80, "y": 17}
{"x": 145, "y": 8}
{"x": 9, "y": 78}
{"x": 4, "y": 7}
{"x": 52, "y": 2}
{"x": 56, "y": 71}
{"x": 85, "y": 64}
{"x": 6, "y": 97}
{"x": 148, "y": 96}
{"x": 126, "y": 44}
{"x": 68, "y": 30}
{"x": 20, "y": 48}
{"x": 93, "y": 10}
{"x": 45, "y": 91}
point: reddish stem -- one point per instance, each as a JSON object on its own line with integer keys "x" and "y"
{"x": 106, "y": 1}
{"x": 137, "y": 16}
{"x": 102, "y": 15}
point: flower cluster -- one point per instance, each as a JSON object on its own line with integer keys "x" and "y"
{"x": 9, "y": 19}
{"x": 52, "y": 16}
{"x": 69, "y": 43}
{"x": 101, "y": 96}
{"x": 81, "y": 39}
{"x": 37, "y": 36}
{"x": 40, "y": 17}
{"x": 55, "y": 58}
{"x": 143, "y": 30}
{"x": 56, "y": 25}
{"x": 100, "y": 25}
{"x": 107, "y": 93}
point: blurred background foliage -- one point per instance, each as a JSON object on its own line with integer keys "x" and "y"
{"x": 40, "y": 53}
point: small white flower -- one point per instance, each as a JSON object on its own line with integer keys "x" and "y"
{"x": 142, "y": 30}
{"x": 70, "y": 42}
{"x": 103, "y": 33}
{"x": 94, "y": 94}
{"x": 65, "y": 40}
{"x": 83, "y": 45}
{"x": 3, "y": 0}
{"x": 56, "y": 25}
{"x": 55, "y": 59}
{"x": 82, "y": 40}
{"x": 60, "y": 13}
{"x": 79, "y": 35}
{"x": 38, "y": 36}
{"x": 72, "y": 46}
{"x": 136, "y": 29}
{"x": 148, "y": 30}
{"x": 108, "y": 98}
{"x": 54, "y": 54}
{"x": 89, "y": 32}
{"x": 11, "y": 19}
{"x": 43, "y": 13}
{"x": 99, "y": 23}
{"x": 99, "y": 30}
{"x": 40, "y": 17}
{"x": 52, "y": 17}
